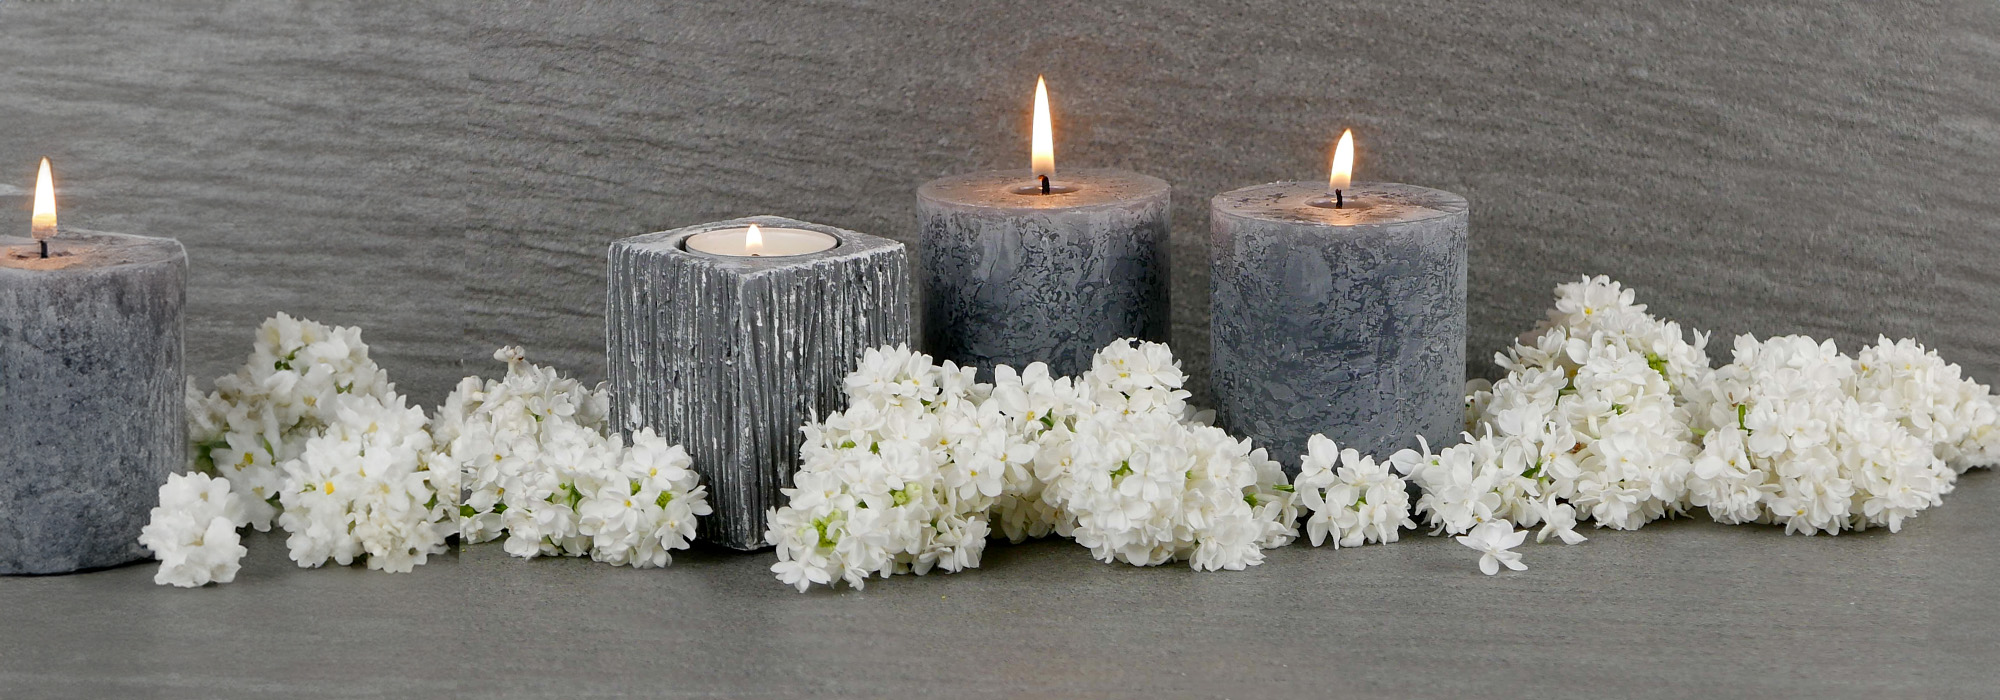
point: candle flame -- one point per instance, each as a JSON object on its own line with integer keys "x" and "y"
{"x": 753, "y": 242}
{"x": 1343, "y": 162}
{"x": 1044, "y": 145}
{"x": 44, "y": 223}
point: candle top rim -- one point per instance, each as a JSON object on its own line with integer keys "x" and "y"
{"x": 853, "y": 244}
{"x": 85, "y": 249}
{"x": 772, "y": 232}
{"x": 1368, "y": 204}
{"x": 1091, "y": 187}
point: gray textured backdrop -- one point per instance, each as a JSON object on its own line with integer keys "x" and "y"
{"x": 448, "y": 174}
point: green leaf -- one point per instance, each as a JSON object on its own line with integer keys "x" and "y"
{"x": 467, "y": 512}
{"x": 1287, "y": 488}
{"x": 204, "y": 454}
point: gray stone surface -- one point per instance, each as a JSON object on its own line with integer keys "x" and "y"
{"x": 91, "y": 395}
{"x": 1347, "y": 322}
{"x": 728, "y": 356}
{"x": 1011, "y": 278}
{"x": 1678, "y": 609}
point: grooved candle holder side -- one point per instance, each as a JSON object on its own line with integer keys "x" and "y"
{"x": 729, "y": 356}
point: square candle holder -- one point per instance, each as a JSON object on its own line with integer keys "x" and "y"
{"x": 729, "y": 356}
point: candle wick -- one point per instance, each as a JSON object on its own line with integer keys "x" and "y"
{"x": 1045, "y": 184}
{"x": 1338, "y": 200}
{"x": 45, "y": 248}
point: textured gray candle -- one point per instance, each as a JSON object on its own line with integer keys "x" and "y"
{"x": 730, "y": 356}
{"x": 1012, "y": 276}
{"x": 91, "y": 392}
{"x": 1348, "y": 322}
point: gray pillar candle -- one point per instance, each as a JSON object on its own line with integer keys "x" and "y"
{"x": 729, "y": 356}
{"x": 91, "y": 396}
{"x": 1013, "y": 276}
{"x": 1348, "y": 322}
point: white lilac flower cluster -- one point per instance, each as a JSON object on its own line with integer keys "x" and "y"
{"x": 1138, "y": 476}
{"x": 925, "y": 461}
{"x": 1606, "y": 415}
{"x": 259, "y": 418}
{"x": 1610, "y": 415}
{"x": 1586, "y": 424}
{"x": 1354, "y": 499}
{"x": 1790, "y": 441}
{"x": 543, "y": 468}
{"x": 365, "y": 486}
{"x": 311, "y": 435}
{"x": 311, "y": 425}
{"x": 193, "y": 531}
{"x": 1933, "y": 400}
{"x": 900, "y": 481}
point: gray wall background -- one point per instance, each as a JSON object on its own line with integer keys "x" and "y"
{"x": 447, "y": 175}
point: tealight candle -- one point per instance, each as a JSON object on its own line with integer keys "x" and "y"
{"x": 754, "y": 242}
{"x": 1338, "y": 308}
{"x": 91, "y": 390}
{"x": 727, "y": 352}
{"x": 1020, "y": 266}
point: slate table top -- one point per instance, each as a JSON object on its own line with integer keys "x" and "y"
{"x": 1677, "y": 609}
